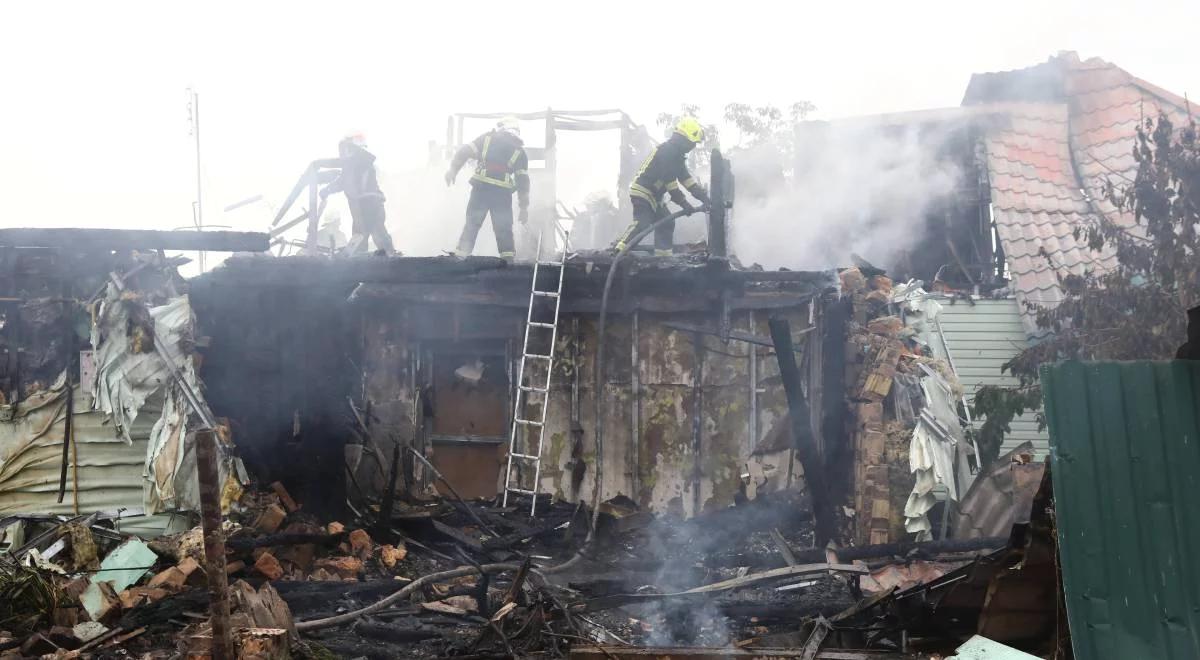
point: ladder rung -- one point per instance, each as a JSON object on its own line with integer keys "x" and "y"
{"x": 531, "y": 457}
{"x": 528, "y": 422}
{"x": 538, "y": 324}
{"x": 539, "y": 356}
{"x": 550, "y": 263}
{"x": 545, "y": 294}
{"x": 526, "y": 388}
{"x": 523, "y": 491}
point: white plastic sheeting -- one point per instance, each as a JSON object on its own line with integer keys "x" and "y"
{"x": 938, "y": 431}
{"x": 129, "y": 372}
{"x": 931, "y": 455}
{"x": 126, "y": 373}
{"x": 129, "y": 451}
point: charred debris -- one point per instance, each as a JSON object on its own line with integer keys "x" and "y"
{"x": 342, "y": 425}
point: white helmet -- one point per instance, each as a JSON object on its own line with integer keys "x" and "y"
{"x": 509, "y": 124}
{"x": 355, "y": 137}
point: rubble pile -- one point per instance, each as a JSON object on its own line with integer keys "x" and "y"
{"x": 432, "y": 581}
{"x": 401, "y": 565}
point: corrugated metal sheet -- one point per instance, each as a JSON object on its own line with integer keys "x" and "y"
{"x": 1000, "y": 496}
{"x": 109, "y": 470}
{"x": 1126, "y": 469}
{"x": 109, "y": 474}
{"x": 981, "y": 337}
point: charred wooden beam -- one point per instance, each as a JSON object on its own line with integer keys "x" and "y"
{"x": 574, "y": 302}
{"x": 134, "y": 239}
{"x": 393, "y": 632}
{"x": 733, "y": 334}
{"x": 389, "y": 497}
{"x": 929, "y": 550}
{"x": 802, "y": 436}
{"x": 509, "y": 540}
{"x": 701, "y": 592}
{"x": 700, "y": 653}
{"x": 307, "y": 271}
{"x": 458, "y": 536}
{"x": 247, "y": 543}
{"x": 720, "y": 187}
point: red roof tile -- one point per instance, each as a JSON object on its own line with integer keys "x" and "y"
{"x": 1071, "y": 127}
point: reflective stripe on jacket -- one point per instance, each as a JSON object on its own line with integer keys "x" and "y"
{"x": 501, "y": 160}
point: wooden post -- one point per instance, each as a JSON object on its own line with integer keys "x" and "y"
{"x": 389, "y": 497}
{"x": 635, "y": 413}
{"x": 697, "y": 421}
{"x": 718, "y": 187}
{"x": 802, "y": 436}
{"x": 214, "y": 542}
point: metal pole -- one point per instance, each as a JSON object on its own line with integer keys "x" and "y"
{"x": 199, "y": 184}
{"x": 214, "y": 542}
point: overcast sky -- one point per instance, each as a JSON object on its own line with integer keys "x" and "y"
{"x": 93, "y": 120}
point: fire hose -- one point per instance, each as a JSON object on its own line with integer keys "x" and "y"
{"x": 599, "y": 386}
{"x": 598, "y": 487}
{"x": 596, "y": 492}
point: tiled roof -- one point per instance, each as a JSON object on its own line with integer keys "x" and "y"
{"x": 1070, "y": 126}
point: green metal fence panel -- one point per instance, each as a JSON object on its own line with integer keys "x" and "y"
{"x": 1125, "y": 452}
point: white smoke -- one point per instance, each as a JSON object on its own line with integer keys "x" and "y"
{"x": 686, "y": 623}
{"x": 857, "y": 188}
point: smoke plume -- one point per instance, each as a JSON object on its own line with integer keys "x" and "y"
{"x": 859, "y": 189}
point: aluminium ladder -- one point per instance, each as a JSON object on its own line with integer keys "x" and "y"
{"x": 535, "y": 328}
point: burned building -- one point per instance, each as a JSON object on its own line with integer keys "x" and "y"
{"x": 425, "y": 352}
{"x": 97, "y": 376}
{"x": 721, "y": 421}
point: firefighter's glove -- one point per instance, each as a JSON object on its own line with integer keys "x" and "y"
{"x": 523, "y": 214}
{"x": 450, "y": 176}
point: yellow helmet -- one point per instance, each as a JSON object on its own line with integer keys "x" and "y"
{"x": 690, "y": 128}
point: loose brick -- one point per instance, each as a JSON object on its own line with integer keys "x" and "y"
{"x": 360, "y": 543}
{"x": 271, "y": 518}
{"x": 269, "y": 566}
{"x": 285, "y": 498}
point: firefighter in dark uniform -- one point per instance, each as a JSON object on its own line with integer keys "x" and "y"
{"x": 361, "y": 185}
{"x": 503, "y": 167}
{"x": 662, "y": 174}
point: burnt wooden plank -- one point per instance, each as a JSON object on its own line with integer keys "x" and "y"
{"x": 129, "y": 239}
{"x": 802, "y": 436}
{"x": 700, "y": 653}
{"x": 458, "y": 536}
{"x": 307, "y": 271}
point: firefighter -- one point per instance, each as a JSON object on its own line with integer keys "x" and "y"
{"x": 502, "y": 167}
{"x": 662, "y": 174}
{"x": 361, "y": 186}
